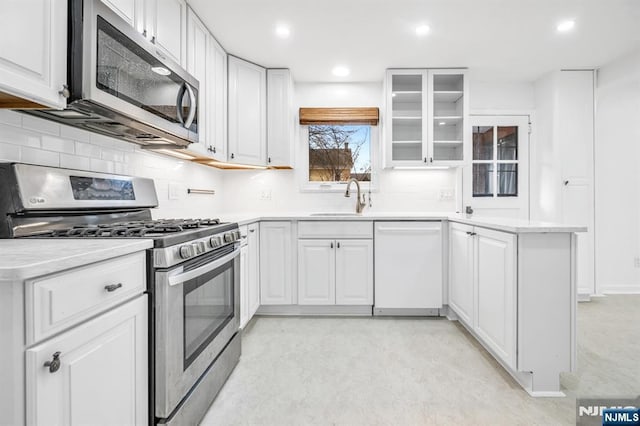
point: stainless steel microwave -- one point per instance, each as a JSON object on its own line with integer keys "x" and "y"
{"x": 121, "y": 85}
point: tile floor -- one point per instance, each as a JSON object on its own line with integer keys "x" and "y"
{"x": 373, "y": 371}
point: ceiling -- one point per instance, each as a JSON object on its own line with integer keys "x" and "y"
{"x": 497, "y": 39}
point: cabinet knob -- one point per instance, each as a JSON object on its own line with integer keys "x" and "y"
{"x": 153, "y": 39}
{"x": 431, "y": 159}
{"x": 232, "y": 156}
{"x": 65, "y": 93}
{"x": 214, "y": 149}
{"x": 425, "y": 159}
{"x": 252, "y": 230}
{"x": 54, "y": 364}
{"x": 112, "y": 287}
{"x": 566, "y": 182}
{"x": 331, "y": 245}
{"x": 338, "y": 245}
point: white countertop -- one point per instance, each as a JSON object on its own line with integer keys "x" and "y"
{"x": 502, "y": 224}
{"x": 26, "y": 258}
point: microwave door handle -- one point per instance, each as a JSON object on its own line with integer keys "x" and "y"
{"x": 186, "y": 276}
{"x": 192, "y": 108}
{"x": 181, "y": 93}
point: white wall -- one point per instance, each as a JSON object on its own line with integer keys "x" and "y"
{"x": 28, "y": 139}
{"x": 617, "y": 175}
{"x": 399, "y": 190}
{"x": 510, "y": 96}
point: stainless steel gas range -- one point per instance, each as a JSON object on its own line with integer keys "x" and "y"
{"x": 193, "y": 273}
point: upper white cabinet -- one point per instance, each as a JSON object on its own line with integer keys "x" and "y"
{"x": 163, "y": 22}
{"x": 408, "y": 267}
{"x": 280, "y": 118}
{"x": 216, "y": 100}
{"x": 247, "y": 113}
{"x": 276, "y": 266}
{"x": 38, "y": 73}
{"x": 426, "y": 112}
{"x": 166, "y": 27}
{"x": 198, "y": 43}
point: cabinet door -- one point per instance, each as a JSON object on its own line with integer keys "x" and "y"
{"x": 36, "y": 73}
{"x": 129, "y": 10}
{"x": 279, "y": 118}
{"x": 166, "y": 21}
{"x": 406, "y": 123}
{"x": 316, "y": 272}
{"x": 197, "y": 42}
{"x": 496, "y": 292}
{"x": 408, "y": 265}
{"x": 254, "y": 268}
{"x": 247, "y": 113}
{"x": 102, "y": 379}
{"x": 461, "y": 297}
{"x": 244, "y": 286}
{"x": 217, "y": 100}
{"x": 276, "y": 270}
{"x": 447, "y": 116}
{"x": 354, "y": 272}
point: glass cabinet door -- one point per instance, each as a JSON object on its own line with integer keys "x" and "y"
{"x": 448, "y": 111}
{"x": 407, "y": 93}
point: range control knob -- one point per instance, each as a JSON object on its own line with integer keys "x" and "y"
{"x": 186, "y": 251}
{"x": 229, "y": 237}
{"x": 237, "y": 235}
{"x": 215, "y": 242}
{"x": 200, "y": 247}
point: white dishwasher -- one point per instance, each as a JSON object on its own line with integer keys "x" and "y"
{"x": 408, "y": 268}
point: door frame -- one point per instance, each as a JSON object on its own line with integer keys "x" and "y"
{"x": 466, "y": 175}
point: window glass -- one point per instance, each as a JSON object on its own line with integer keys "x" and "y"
{"x": 339, "y": 152}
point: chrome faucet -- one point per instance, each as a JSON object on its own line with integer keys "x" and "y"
{"x": 360, "y": 202}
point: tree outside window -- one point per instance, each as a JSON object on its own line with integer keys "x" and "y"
{"x": 339, "y": 152}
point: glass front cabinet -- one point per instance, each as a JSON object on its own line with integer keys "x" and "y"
{"x": 426, "y": 111}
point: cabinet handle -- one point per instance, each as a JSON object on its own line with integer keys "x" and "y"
{"x": 331, "y": 245}
{"x": 144, "y": 33}
{"x": 431, "y": 159}
{"x": 112, "y": 287}
{"x": 425, "y": 159}
{"x": 338, "y": 244}
{"x": 252, "y": 230}
{"x": 214, "y": 149}
{"x": 471, "y": 233}
{"x": 65, "y": 93}
{"x": 566, "y": 182}
{"x": 54, "y": 364}
{"x": 269, "y": 160}
{"x": 153, "y": 40}
{"x": 232, "y": 156}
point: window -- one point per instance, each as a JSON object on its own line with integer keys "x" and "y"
{"x": 495, "y": 161}
{"x": 339, "y": 152}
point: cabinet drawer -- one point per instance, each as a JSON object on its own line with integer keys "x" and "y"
{"x": 57, "y": 302}
{"x": 335, "y": 229}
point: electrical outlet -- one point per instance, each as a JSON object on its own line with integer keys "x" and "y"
{"x": 446, "y": 194}
{"x": 636, "y": 262}
{"x": 175, "y": 191}
{"x": 265, "y": 194}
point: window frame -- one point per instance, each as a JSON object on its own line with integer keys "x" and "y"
{"x": 495, "y": 162}
{"x": 317, "y": 186}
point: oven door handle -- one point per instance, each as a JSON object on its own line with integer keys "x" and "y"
{"x": 186, "y": 276}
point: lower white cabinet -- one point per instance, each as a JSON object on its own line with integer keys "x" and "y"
{"x": 483, "y": 280}
{"x": 276, "y": 263}
{"x": 335, "y": 272}
{"x": 249, "y": 273}
{"x": 95, "y": 373}
{"x": 408, "y": 267}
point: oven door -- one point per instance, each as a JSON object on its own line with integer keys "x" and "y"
{"x": 197, "y": 307}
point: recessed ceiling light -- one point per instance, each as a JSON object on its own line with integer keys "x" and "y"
{"x": 161, "y": 70}
{"x": 422, "y": 30}
{"x": 340, "y": 71}
{"x": 565, "y": 26}
{"x": 442, "y": 123}
{"x": 283, "y": 31}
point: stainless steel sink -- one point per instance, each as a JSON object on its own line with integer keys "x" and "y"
{"x": 335, "y": 214}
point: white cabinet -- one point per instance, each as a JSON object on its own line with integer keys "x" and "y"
{"x": 426, "y": 113}
{"x": 461, "y": 274}
{"x": 280, "y": 118}
{"x": 408, "y": 268}
{"x": 276, "y": 263}
{"x": 249, "y": 273}
{"x": 102, "y": 374}
{"x": 483, "y": 286}
{"x": 166, "y": 27}
{"x": 247, "y": 113}
{"x": 38, "y": 73}
{"x": 216, "y": 100}
{"x": 253, "y": 273}
{"x": 198, "y": 43}
{"x": 496, "y": 292}
{"x": 316, "y": 272}
{"x": 131, "y": 11}
{"x": 335, "y": 263}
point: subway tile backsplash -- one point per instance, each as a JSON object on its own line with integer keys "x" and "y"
{"x": 32, "y": 140}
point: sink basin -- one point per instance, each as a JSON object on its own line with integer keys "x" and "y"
{"x": 335, "y": 214}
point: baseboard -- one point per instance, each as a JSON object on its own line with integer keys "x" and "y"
{"x": 584, "y": 297}
{"x": 620, "y": 289}
{"x": 320, "y": 310}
